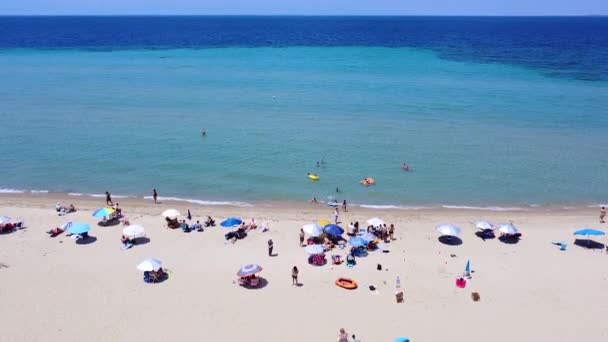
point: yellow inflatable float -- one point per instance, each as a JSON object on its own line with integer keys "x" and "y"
{"x": 367, "y": 181}
{"x": 312, "y": 176}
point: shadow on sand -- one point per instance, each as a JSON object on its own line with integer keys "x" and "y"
{"x": 86, "y": 240}
{"x": 261, "y": 284}
{"x": 450, "y": 240}
{"x": 590, "y": 244}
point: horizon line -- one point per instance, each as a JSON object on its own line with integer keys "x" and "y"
{"x": 302, "y": 15}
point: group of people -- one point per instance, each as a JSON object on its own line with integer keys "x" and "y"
{"x": 62, "y": 210}
{"x": 174, "y": 223}
{"x": 10, "y": 226}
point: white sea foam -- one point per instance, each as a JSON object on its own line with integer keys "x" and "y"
{"x": 401, "y": 207}
{"x": 39, "y": 191}
{"x": 465, "y": 207}
{"x": 10, "y": 191}
{"x": 202, "y": 202}
{"x": 74, "y": 194}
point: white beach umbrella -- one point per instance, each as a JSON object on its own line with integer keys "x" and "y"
{"x": 507, "y": 228}
{"x": 133, "y": 230}
{"x": 448, "y": 229}
{"x": 150, "y": 265}
{"x": 171, "y": 213}
{"x": 4, "y": 219}
{"x": 312, "y": 229}
{"x": 314, "y": 249}
{"x": 483, "y": 225}
{"x": 375, "y": 222}
{"x": 368, "y": 237}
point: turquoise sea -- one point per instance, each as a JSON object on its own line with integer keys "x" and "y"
{"x": 127, "y": 120}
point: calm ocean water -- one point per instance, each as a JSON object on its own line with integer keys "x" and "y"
{"x": 486, "y": 111}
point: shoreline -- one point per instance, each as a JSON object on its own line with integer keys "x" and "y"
{"x": 42, "y": 198}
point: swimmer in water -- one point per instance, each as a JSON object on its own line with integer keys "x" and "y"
{"x": 203, "y": 132}
{"x": 318, "y": 164}
{"x": 405, "y": 167}
{"x": 337, "y": 189}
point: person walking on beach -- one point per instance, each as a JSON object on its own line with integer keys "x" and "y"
{"x": 336, "y": 214}
{"x": 109, "y": 199}
{"x": 391, "y": 231}
{"x": 344, "y": 206}
{"x": 301, "y": 237}
{"x": 342, "y": 336}
{"x": 154, "y": 196}
{"x": 602, "y": 214}
{"x": 294, "y": 276}
{"x": 270, "y": 247}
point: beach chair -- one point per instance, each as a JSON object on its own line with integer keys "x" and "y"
{"x": 461, "y": 283}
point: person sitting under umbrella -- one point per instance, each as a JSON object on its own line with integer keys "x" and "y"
{"x": 126, "y": 242}
{"x": 350, "y": 260}
{"x": 184, "y": 226}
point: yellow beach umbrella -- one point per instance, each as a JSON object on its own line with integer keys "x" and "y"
{"x": 323, "y": 222}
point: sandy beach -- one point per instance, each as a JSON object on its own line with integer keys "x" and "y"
{"x": 56, "y": 290}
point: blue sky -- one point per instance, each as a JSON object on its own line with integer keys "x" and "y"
{"x": 294, "y": 7}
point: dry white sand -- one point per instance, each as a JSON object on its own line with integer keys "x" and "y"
{"x": 56, "y": 290}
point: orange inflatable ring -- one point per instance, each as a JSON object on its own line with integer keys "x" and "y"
{"x": 346, "y": 283}
{"x": 368, "y": 181}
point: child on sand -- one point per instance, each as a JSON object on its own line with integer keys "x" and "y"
{"x": 294, "y": 276}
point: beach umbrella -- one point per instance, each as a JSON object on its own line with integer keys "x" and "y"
{"x": 79, "y": 228}
{"x": 133, "y": 230}
{"x": 401, "y": 339}
{"x": 357, "y": 241}
{"x": 589, "y": 231}
{"x": 467, "y": 268}
{"x": 101, "y": 212}
{"x": 171, "y": 213}
{"x": 314, "y": 249}
{"x": 323, "y": 222}
{"x": 483, "y": 225}
{"x": 231, "y": 222}
{"x": 333, "y": 229}
{"x": 375, "y": 222}
{"x": 507, "y": 228}
{"x": 248, "y": 270}
{"x": 189, "y": 215}
{"x": 4, "y": 219}
{"x": 448, "y": 229}
{"x": 312, "y": 229}
{"x": 368, "y": 237}
{"x": 150, "y": 264}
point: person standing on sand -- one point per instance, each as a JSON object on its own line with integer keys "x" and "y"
{"x": 391, "y": 231}
{"x": 602, "y": 214}
{"x": 344, "y": 206}
{"x": 294, "y": 276}
{"x": 270, "y": 247}
{"x": 154, "y": 196}
{"x": 342, "y": 336}
{"x": 336, "y": 214}
{"x": 301, "y": 237}
{"x": 109, "y": 199}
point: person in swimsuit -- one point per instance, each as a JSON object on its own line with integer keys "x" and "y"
{"x": 301, "y": 237}
{"x": 391, "y": 231}
{"x": 602, "y": 214}
{"x": 344, "y": 206}
{"x": 294, "y": 276}
{"x": 109, "y": 199}
{"x": 270, "y": 247}
{"x": 342, "y": 336}
{"x": 154, "y": 195}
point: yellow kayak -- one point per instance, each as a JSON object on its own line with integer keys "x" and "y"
{"x": 313, "y": 176}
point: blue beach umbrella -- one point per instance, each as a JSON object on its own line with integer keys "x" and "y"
{"x": 79, "y": 228}
{"x": 231, "y": 222}
{"x": 467, "y": 268}
{"x": 357, "y": 241}
{"x": 589, "y": 231}
{"x": 333, "y": 229}
{"x": 101, "y": 212}
{"x": 401, "y": 339}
